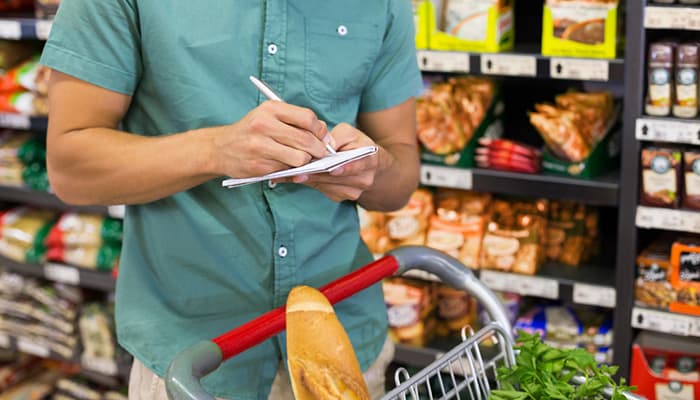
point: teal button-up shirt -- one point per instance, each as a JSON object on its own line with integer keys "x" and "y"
{"x": 201, "y": 262}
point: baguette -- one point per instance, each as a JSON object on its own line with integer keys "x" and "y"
{"x": 321, "y": 361}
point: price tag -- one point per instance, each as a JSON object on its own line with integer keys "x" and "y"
{"x": 672, "y": 220}
{"x": 695, "y": 327}
{"x": 443, "y": 61}
{"x": 572, "y": 68}
{"x": 506, "y": 64}
{"x": 43, "y": 29}
{"x": 16, "y": 121}
{"x": 671, "y": 18}
{"x": 62, "y": 273}
{"x": 594, "y": 295}
{"x": 10, "y": 29}
{"x": 27, "y": 346}
{"x": 116, "y": 211}
{"x": 521, "y": 284}
{"x": 660, "y": 321}
{"x": 667, "y": 131}
{"x": 5, "y": 342}
{"x": 104, "y": 366}
{"x": 446, "y": 177}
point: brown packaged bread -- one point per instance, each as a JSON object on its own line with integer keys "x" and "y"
{"x": 322, "y": 363}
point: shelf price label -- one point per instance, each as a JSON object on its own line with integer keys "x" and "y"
{"x": 594, "y": 295}
{"x": 17, "y": 121}
{"x": 10, "y": 29}
{"x": 661, "y": 321}
{"x": 573, "y": 68}
{"x": 507, "y": 64}
{"x": 672, "y": 18}
{"x": 673, "y": 220}
{"x": 5, "y": 342}
{"x": 443, "y": 61}
{"x": 446, "y": 177}
{"x": 116, "y": 211}
{"x": 521, "y": 284}
{"x": 62, "y": 273}
{"x": 667, "y": 131}
{"x": 104, "y": 366}
{"x": 43, "y": 29}
{"x": 30, "y": 347}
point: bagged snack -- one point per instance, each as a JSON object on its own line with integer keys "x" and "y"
{"x": 553, "y": 323}
{"x": 408, "y": 225}
{"x": 685, "y": 275}
{"x": 21, "y": 77}
{"x": 458, "y": 226}
{"x": 410, "y": 310}
{"x": 23, "y": 233}
{"x": 661, "y": 170}
{"x": 373, "y": 231}
{"x": 565, "y": 233}
{"x": 511, "y": 242}
{"x": 104, "y": 257}
{"x": 88, "y": 230}
{"x": 23, "y": 102}
{"x": 455, "y": 310}
{"x": 97, "y": 332}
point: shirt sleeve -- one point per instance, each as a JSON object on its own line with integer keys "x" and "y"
{"x": 395, "y": 76}
{"x": 97, "y": 41}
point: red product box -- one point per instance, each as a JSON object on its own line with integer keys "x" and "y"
{"x": 663, "y": 368}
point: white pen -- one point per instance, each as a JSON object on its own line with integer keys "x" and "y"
{"x": 265, "y": 89}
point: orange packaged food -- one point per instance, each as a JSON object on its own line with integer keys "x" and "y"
{"x": 685, "y": 276}
{"x": 408, "y": 225}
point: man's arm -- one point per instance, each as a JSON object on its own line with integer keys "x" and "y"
{"x": 398, "y": 172}
{"x": 91, "y": 162}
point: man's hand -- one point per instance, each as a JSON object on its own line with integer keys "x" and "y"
{"x": 272, "y": 137}
{"x": 351, "y": 180}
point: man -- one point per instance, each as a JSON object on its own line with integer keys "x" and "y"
{"x": 151, "y": 106}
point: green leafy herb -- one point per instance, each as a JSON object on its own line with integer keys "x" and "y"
{"x": 543, "y": 373}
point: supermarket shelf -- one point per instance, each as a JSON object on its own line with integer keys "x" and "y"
{"x": 24, "y": 28}
{"x": 526, "y": 63}
{"x": 672, "y": 17}
{"x": 35, "y": 198}
{"x": 671, "y": 130}
{"x": 668, "y": 219}
{"x": 586, "y": 284}
{"x": 26, "y": 122}
{"x": 665, "y": 322}
{"x": 602, "y": 191}
{"x": 67, "y": 274}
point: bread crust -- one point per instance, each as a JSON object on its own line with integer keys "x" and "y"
{"x": 321, "y": 361}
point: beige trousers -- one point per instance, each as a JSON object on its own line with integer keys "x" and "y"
{"x": 145, "y": 385}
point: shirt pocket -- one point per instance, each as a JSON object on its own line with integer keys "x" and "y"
{"x": 339, "y": 57}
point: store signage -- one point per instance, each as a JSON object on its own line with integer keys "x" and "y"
{"x": 672, "y": 18}
{"x": 10, "y": 29}
{"x": 667, "y": 219}
{"x": 661, "y": 321}
{"x": 62, "y": 273}
{"x": 594, "y": 295}
{"x": 667, "y": 131}
{"x": 16, "y": 121}
{"x": 521, "y": 284}
{"x": 446, "y": 177}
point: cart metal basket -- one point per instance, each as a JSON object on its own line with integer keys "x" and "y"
{"x": 468, "y": 371}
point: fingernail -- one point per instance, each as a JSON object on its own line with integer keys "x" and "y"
{"x": 337, "y": 171}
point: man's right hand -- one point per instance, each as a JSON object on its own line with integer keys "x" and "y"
{"x": 272, "y": 137}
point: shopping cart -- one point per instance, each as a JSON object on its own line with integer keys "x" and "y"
{"x": 468, "y": 371}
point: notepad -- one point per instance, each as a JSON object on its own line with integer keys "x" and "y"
{"x": 325, "y": 164}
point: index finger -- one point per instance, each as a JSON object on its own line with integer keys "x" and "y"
{"x": 302, "y": 118}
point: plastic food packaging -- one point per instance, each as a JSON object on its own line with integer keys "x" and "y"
{"x": 410, "y": 310}
{"x": 23, "y": 233}
{"x": 408, "y": 225}
{"x": 21, "y": 77}
{"x": 661, "y": 172}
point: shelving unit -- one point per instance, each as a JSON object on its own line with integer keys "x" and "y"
{"x": 525, "y": 62}
{"x": 89, "y": 279}
{"x": 35, "y": 198}
{"x": 601, "y": 191}
{"x": 24, "y": 28}
{"x": 665, "y": 322}
{"x": 25, "y": 122}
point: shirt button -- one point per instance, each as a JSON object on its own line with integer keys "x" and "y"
{"x": 282, "y": 252}
{"x": 271, "y": 184}
{"x": 272, "y": 49}
{"x": 342, "y": 30}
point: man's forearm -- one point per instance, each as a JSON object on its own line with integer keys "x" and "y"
{"x": 106, "y": 166}
{"x": 396, "y": 179}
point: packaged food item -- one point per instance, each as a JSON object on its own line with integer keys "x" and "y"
{"x": 90, "y": 230}
{"x": 511, "y": 242}
{"x": 685, "y": 104}
{"x": 566, "y": 232}
{"x": 21, "y": 77}
{"x": 457, "y": 227}
{"x": 580, "y": 28}
{"x": 373, "y": 231}
{"x": 46, "y": 9}
{"x": 410, "y": 310}
{"x": 97, "y": 333}
{"x": 652, "y": 286}
{"x": 685, "y": 275}
{"x": 691, "y": 179}
{"x": 660, "y": 77}
{"x": 469, "y": 25}
{"x": 408, "y": 226}
{"x": 23, "y": 102}
{"x": 23, "y": 233}
{"x": 76, "y": 388}
{"x": 660, "y": 177}
{"x": 507, "y": 155}
{"x": 575, "y": 125}
{"x": 455, "y": 310}
{"x": 553, "y": 323}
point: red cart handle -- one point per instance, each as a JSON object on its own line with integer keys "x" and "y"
{"x": 267, "y": 325}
